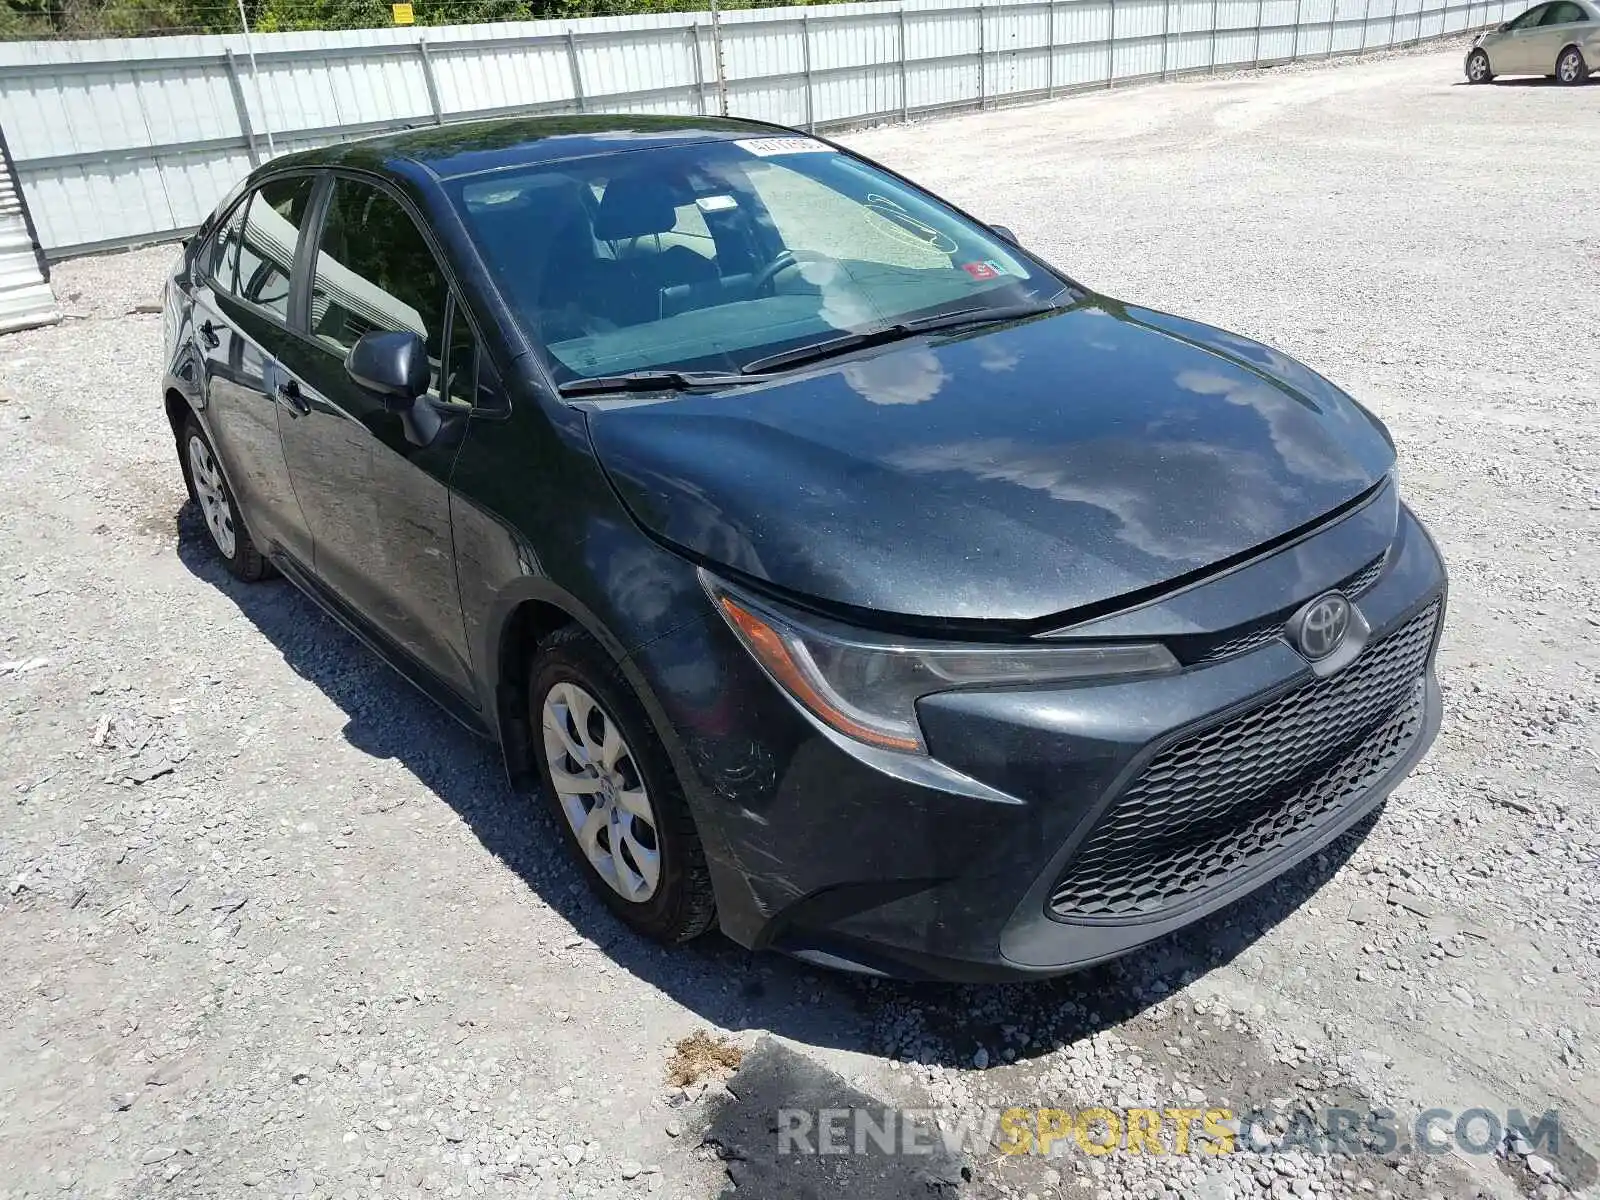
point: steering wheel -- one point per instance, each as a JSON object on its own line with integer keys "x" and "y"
{"x": 785, "y": 260}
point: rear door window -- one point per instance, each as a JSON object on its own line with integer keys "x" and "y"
{"x": 272, "y": 224}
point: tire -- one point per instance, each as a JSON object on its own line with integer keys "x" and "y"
{"x": 1478, "y": 68}
{"x": 219, "y": 511}
{"x": 1571, "y": 70}
{"x": 570, "y": 672}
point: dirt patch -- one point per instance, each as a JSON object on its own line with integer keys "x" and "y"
{"x": 701, "y": 1058}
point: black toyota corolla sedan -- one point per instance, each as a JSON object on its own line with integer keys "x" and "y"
{"x": 842, "y": 575}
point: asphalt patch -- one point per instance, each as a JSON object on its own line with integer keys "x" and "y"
{"x": 745, "y": 1130}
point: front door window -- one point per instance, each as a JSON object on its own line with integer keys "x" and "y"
{"x": 375, "y": 271}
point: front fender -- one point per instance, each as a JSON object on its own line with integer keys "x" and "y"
{"x": 629, "y": 592}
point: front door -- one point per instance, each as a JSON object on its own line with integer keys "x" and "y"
{"x": 241, "y": 317}
{"x": 378, "y": 504}
{"x": 1518, "y": 53}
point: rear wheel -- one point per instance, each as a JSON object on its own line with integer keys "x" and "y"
{"x": 1478, "y": 68}
{"x": 218, "y": 508}
{"x": 614, "y": 792}
{"x": 1570, "y": 67}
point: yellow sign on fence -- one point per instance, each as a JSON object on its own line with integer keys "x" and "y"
{"x": 403, "y": 14}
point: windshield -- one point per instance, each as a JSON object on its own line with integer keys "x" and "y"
{"x": 712, "y": 256}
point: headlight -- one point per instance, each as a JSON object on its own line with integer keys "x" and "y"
{"x": 866, "y": 686}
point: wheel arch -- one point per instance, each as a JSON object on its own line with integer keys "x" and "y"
{"x": 178, "y": 411}
{"x": 527, "y": 622}
{"x": 527, "y": 612}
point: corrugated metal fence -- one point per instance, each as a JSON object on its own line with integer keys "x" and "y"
{"x": 118, "y": 142}
{"x": 25, "y": 296}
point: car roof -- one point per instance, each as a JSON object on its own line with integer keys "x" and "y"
{"x": 469, "y": 147}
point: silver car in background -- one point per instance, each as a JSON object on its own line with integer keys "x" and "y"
{"x": 1560, "y": 39}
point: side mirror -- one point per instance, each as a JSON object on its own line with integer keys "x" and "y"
{"x": 1006, "y": 233}
{"x": 394, "y": 365}
{"x": 1502, "y": 27}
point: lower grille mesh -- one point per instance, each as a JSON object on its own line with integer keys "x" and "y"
{"x": 1222, "y": 799}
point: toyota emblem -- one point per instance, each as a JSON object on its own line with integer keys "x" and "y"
{"x": 1318, "y": 629}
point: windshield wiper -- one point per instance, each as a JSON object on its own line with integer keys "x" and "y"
{"x": 654, "y": 381}
{"x": 833, "y": 347}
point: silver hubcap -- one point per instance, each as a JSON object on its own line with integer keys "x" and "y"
{"x": 1569, "y": 68}
{"x": 1478, "y": 68}
{"x": 213, "y": 499}
{"x": 601, "y": 792}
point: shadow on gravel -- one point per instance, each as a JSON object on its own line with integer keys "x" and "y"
{"x": 724, "y": 983}
{"x": 1533, "y": 81}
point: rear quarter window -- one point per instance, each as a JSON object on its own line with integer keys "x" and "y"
{"x": 218, "y": 259}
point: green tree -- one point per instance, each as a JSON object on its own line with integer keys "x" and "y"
{"x": 21, "y": 19}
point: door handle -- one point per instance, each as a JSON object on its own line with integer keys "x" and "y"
{"x": 208, "y": 335}
{"x": 293, "y": 399}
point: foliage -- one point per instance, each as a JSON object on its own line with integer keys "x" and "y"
{"x": 25, "y": 19}
{"x": 98, "y": 18}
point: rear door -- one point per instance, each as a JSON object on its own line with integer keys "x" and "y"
{"x": 241, "y": 321}
{"x": 377, "y": 502}
{"x": 1563, "y": 24}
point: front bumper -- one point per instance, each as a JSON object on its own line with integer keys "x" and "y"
{"x": 955, "y": 868}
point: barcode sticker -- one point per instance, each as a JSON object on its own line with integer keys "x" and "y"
{"x": 770, "y": 146}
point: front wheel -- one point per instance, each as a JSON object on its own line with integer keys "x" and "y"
{"x": 614, "y": 792}
{"x": 1570, "y": 67}
{"x": 1478, "y": 68}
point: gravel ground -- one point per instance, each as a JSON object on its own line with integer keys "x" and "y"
{"x": 274, "y": 926}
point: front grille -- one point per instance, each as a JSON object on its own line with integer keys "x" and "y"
{"x": 1256, "y": 635}
{"x": 1221, "y": 800}
{"x": 1259, "y": 633}
{"x": 1364, "y": 578}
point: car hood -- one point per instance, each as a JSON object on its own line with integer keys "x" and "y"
{"x": 1001, "y": 475}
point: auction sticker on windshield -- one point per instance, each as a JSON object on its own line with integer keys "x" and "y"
{"x": 987, "y": 269}
{"x": 772, "y": 146}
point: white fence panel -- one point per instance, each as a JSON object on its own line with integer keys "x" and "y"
{"x": 470, "y": 79}
{"x": 121, "y": 141}
{"x": 25, "y": 296}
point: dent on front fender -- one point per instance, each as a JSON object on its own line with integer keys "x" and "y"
{"x": 791, "y": 818}
{"x": 534, "y": 520}
{"x": 541, "y": 541}
{"x": 732, "y": 740}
